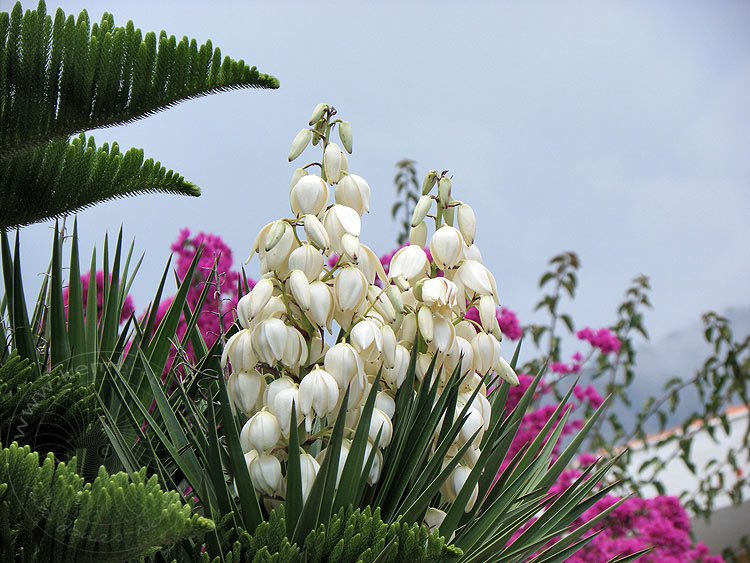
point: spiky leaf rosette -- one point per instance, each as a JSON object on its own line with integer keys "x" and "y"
{"x": 48, "y": 513}
{"x": 61, "y": 177}
{"x": 59, "y": 77}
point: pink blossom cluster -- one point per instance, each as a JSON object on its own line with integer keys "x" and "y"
{"x": 506, "y": 318}
{"x": 221, "y": 300}
{"x": 602, "y": 339}
{"x": 127, "y": 307}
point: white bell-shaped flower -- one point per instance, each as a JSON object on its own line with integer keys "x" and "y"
{"x": 443, "y": 335}
{"x": 279, "y": 397}
{"x": 386, "y": 403}
{"x": 380, "y": 422}
{"x": 353, "y": 191}
{"x": 410, "y": 263}
{"x": 269, "y": 339}
{"x": 486, "y": 352}
{"x": 476, "y": 278}
{"x": 318, "y": 395}
{"x": 471, "y": 252}
{"x": 343, "y": 363}
{"x": 244, "y": 388}
{"x": 261, "y": 432}
{"x": 487, "y": 313}
{"x": 309, "y": 468}
{"x": 321, "y": 304}
{"x": 295, "y": 348}
{"x": 433, "y": 519}
{"x": 395, "y": 375}
{"x": 440, "y": 295}
{"x": 239, "y": 351}
{"x": 388, "y": 350}
{"x": 279, "y": 243}
{"x": 455, "y": 482}
{"x": 369, "y": 264}
{"x": 265, "y": 471}
{"x": 308, "y": 259}
{"x": 381, "y": 303}
{"x": 349, "y": 288}
{"x": 309, "y": 196}
{"x": 367, "y": 339}
{"x": 445, "y": 246}
{"x": 338, "y": 221}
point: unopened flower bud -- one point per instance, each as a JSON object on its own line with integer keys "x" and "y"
{"x": 333, "y": 162}
{"x": 487, "y": 313}
{"x": 274, "y": 234}
{"x": 449, "y": 214}
{"x": 299, "y": 144}
{"x": 299, "y": 288}
{"x": 421, "y": 209}
{"x": 262, "y": 432}
{"x": 444, "y": 191}
{"x": 418, "y": 234}
{"x": 345, "y": 134}
{"x": 477, "y": 278}
{"x": 504, "y": 370}
{"x": 425, "y": 322}
{"x": 315, "y": 232}
{"x": 467, "y": 222}
{"x": 350, "y": 247}
{"x": 429, "y": 182}
{"x": 317, "y": 113}
{"x": 394, "y": 295}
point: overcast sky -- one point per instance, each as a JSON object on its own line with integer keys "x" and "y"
{"x": 618, "y": 130}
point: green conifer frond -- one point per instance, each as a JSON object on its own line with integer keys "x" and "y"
{"x": 48, "y": 514}
{"x": 59, "y": 77}
{"x": 48, "y": 413}
{"x": 61, "y": 177}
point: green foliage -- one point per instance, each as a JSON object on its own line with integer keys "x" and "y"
{"x": 36, "y": 181}
{"x": 48, "y": 513}
{"x": 407, "y": 194}
{"x": 352, "y": 536}
{"x": 61, "y": 76}
{"x": 50, "y": 413}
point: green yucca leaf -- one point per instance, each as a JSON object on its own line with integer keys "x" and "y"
{"x": 76, "y": 77}
{"x": 60, "y": 177}
{"x": 294, "y": 499}
{"x": 628, "y": 558}
{"x": 76, "y": 330}
{"x": 58, "y": 333}
{"x": 352, "y": 474}
{"x": 92, "y": 322}
{"x": 238, "y": 469}
{"x": 317, "y": 507}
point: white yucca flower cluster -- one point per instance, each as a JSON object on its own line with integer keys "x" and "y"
{"x": 286, "y": 352}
